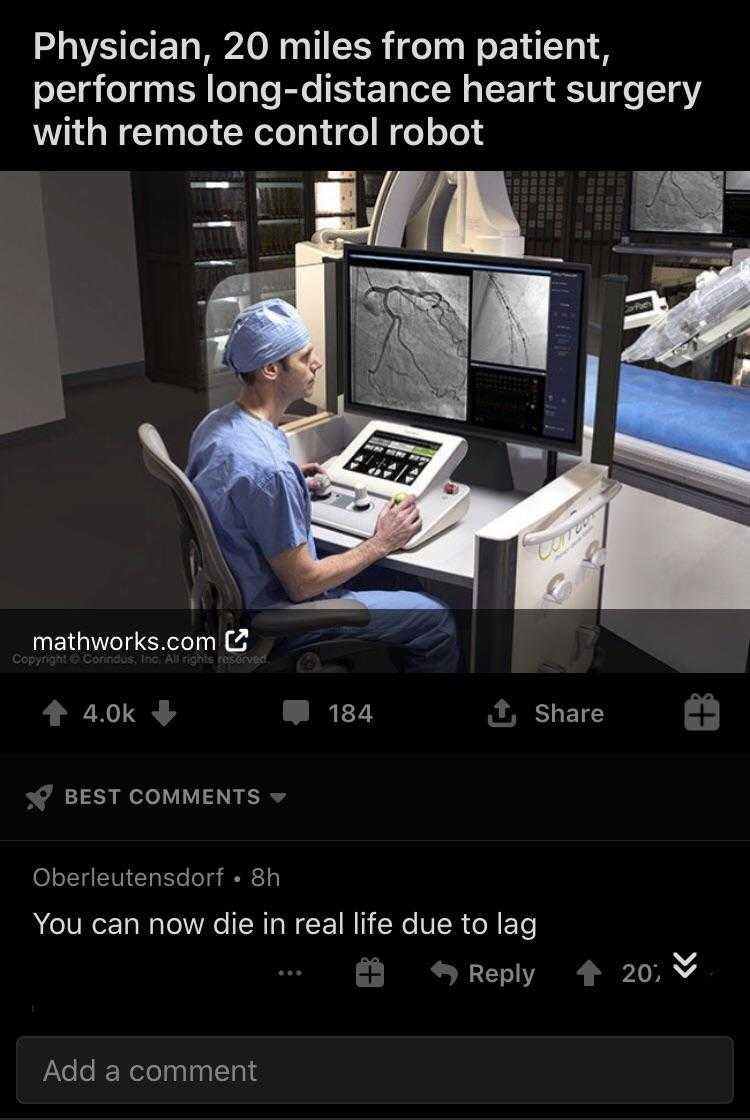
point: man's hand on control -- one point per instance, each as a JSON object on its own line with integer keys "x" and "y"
{"x": 310, "y": 470}
{"x": 397, "y": 524}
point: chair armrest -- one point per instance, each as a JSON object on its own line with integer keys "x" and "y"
{"x": 297, "y": 618}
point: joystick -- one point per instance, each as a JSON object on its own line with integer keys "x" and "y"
{"x": 320, "y": 486}
{"x": 361, "y": 498}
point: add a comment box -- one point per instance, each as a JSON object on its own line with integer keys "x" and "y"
{"x": 363, "y": 1069}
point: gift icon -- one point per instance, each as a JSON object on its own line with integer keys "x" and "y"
{"x": 702, "y": 713}
{"x": 369, "y": 973}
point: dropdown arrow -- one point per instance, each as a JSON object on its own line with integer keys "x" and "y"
{"x": 278, "y": 797}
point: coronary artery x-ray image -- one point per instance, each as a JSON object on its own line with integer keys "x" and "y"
{"x": 509, "y": 319}
{"x": 409, "y": 335}
{"x": 678, "y": 201}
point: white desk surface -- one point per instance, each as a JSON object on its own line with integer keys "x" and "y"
{"x": 449, "y": 556}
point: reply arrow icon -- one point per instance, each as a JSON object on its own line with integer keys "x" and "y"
{"x": 440, "y": 969}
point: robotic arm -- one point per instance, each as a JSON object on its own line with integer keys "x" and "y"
{"x": 715, "y": 313}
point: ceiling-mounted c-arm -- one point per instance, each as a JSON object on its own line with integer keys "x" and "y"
{"x": 464, "y": 211}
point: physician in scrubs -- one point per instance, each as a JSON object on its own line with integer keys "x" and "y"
{"x": 258, "y": 500}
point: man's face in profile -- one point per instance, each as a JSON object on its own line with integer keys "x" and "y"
{"x": 299, "y": 371}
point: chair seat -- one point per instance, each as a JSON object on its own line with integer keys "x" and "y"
{"x": 296, "y": 618}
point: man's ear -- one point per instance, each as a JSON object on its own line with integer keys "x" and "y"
{"x": 271, "y": 371}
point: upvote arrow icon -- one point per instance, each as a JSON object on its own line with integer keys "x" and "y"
{"x": 54, "y": 712}
{"x": 589, "y": 972}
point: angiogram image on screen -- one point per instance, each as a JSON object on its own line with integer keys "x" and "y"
{"x": 738, "y": 180}
{"x": 678, "y": 201}
{"x": 409, "y": 339}
{"x": 509, "y": 319}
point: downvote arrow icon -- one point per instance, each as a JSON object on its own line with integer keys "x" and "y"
{"x": 163, "y": 713}
{"x": 589, "y": 972}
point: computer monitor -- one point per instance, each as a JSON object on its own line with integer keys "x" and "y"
{"x": 689, "y": 206}
{"x": 470, "y": 344}
{"x": 677, "y": 202}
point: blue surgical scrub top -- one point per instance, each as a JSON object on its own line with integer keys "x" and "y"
{"x": 256, "y": 497}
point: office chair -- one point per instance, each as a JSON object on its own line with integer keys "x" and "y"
{"x": 215, "y": 601}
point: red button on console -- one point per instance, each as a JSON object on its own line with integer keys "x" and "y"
{"x": 451, "y": 487}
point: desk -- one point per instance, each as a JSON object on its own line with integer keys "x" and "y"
{"x": 448, "y": 557}
{"x": 511, "y": 578}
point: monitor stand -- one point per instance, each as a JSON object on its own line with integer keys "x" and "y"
{"x": 486, "y": 464}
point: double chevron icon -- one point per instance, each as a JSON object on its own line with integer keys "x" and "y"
{"x": 684, "y": 966}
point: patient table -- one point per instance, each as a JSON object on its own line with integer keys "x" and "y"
{"x": 678, "y": 536}
{"x": 681, "y": 439}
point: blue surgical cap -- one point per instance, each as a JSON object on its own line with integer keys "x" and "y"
{"x": 262, "y": 333}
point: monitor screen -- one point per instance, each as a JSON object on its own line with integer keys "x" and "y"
{"x": 677, "y": 202}
{"x": 392, "y": 457}
{"x": 737, "y": 204}
{"x": 738, "y": 180}
{"x": 467, "y": 342}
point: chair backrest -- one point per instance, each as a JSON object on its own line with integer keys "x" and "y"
{"x": 212, "y": 588}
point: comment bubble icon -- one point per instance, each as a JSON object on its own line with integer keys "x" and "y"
{"x": 296, "y": 711}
